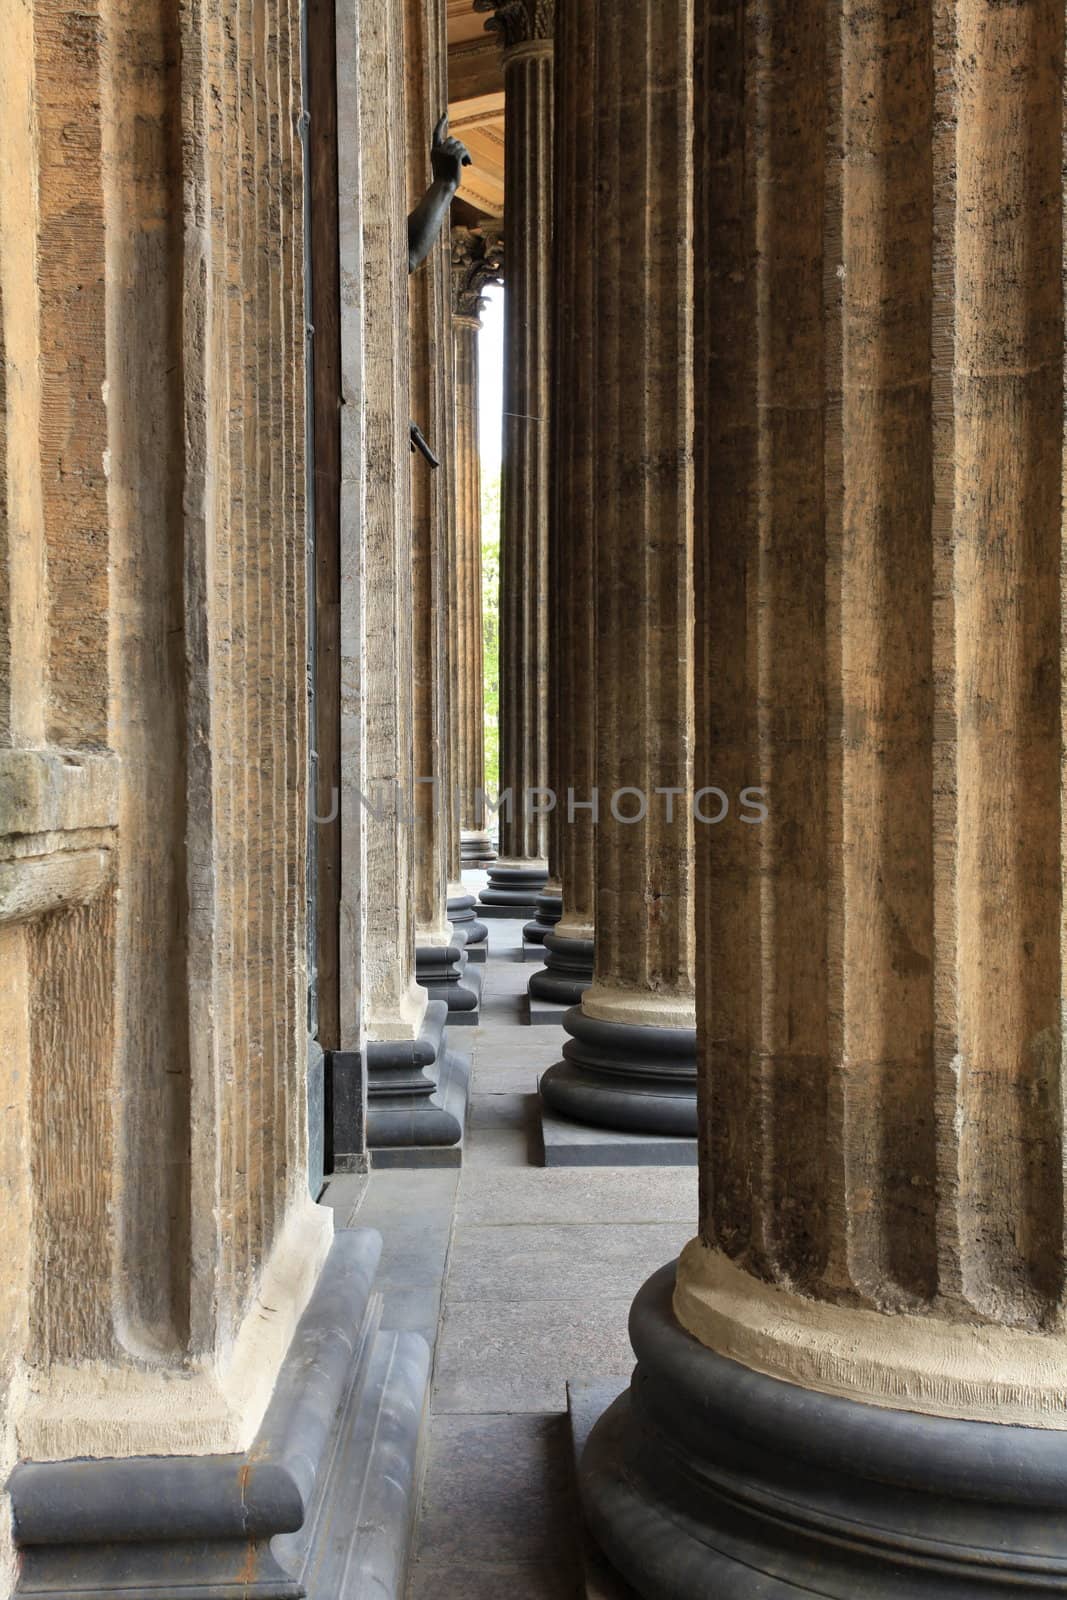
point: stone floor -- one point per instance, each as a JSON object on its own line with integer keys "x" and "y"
{"x": 523, "y": 1277}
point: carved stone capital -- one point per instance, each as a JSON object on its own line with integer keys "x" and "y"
{"x": 477, "y": 261}
{"x": 519, "y": 21}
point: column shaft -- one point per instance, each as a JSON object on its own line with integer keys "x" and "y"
{"x": 526, "y": 28}
{"x": 470, "y": 709}
{"x": 878, "y": 1283}
{"x": 572, "y": 527}
{"x": 631, "y": 1061}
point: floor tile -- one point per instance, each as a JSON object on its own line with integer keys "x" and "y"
{"x": 514, "y": 1263}
{"x": 493, "y": 1357}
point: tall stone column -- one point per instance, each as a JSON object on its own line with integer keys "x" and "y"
{"x": 572, "y": 591}
{"x": 860, "y": 1364}
{"x": 441, "y": 957}
{"x": 525, "y": 30}
{"x": 477, "y": 262}
{"x": 631, "y": 1060}
{"x": 416, "y": 1091}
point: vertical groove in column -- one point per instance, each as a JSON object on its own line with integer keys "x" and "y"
{"x": 888, "y": 1136}
{"x": 572, "y": 640}
{"x": 642, "y": 307}
{"x": 1008, "y": 395}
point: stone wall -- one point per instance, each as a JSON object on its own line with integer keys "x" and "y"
{"x": 153, "y": 738}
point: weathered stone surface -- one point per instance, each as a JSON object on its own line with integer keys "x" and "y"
{"x": 527, "y": 337}
{"x": 639, "y": 497}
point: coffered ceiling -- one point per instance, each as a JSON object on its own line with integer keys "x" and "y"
{"x": 476, "y": 106}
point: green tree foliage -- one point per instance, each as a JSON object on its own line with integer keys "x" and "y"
{"x": 491, "y": 628}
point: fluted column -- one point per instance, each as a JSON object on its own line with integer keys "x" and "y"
{"x": 572, "y": 592}
{"x": 477, "y": 257}
{"x": 868, "y": 1329}
{"x": 631, "y": 1061}
{"x": 525, "y": 30}
{"x": 440, "y": 951}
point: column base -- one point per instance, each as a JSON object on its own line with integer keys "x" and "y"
{"x": 549, "y": 911}
{"x": 567, "y": 973}
{"x": 444, "y": 972}
{"x": 460, "y": 911}
{"x": 476, "y": 849}
{"x": 417, "y": 1097}
{"x": 337, "y": 1450}
{"x": 618, "y": 1075}
{"x": 706, "y": 1478}
{"x": 512, "y": 890}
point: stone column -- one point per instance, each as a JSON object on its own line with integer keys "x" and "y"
{"x": 525, "y": 30}
{"x": 572, "y": 639}
{"x": 631, "y": 1060}
{"x": 477, "y": 261}
{"x": 860, "y": 1364}
{"x": 416, "y": 1091}
{"x": 440, "y": 954}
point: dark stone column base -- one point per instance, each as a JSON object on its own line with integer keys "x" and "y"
{"x": 443, "y": 971}
{"x": 549, "y": 911}
{"x": 476, "y": 849}
{"x": 460, "y": 911}
{"x": 512, "y": 891}
{"x": 567, "y": 973}
{"x": 636, "y": 1079}
{"x": 708, "y": 1479}
{"x": 416, "y": 1097}
{"x": 328, "y": 1485}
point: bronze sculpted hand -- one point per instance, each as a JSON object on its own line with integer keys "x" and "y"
{"x": 447, "y": 158}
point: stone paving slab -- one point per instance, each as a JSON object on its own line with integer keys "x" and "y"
{"x": 515, "y": 1262}
{"x": 496, "y": 1356}
{"x": 576, "y": 1144}
{"x": 609, "y": 1194}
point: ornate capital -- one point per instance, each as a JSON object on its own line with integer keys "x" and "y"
{"x": 477, "y": 261}
{"x": 519, "y": 21}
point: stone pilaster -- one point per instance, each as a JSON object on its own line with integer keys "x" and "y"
{"x": 525, "y": 30}
{"x": 869, "y": 1326}
{"x": 477, "y": 262}
{"x": 411, "y": 1084}
{"x": 631, "y": 1062}
{"x": 572, "y": 591}
{"x": 440, "y": 954}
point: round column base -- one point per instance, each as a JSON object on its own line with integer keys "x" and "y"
{"x": 460, "y": 911}
{"x": 476, "y": 849}
{"x": 568, "y": 971}
{"x": 549, "y": 910}
{"x": 706, "y": 1478}
{"x": 633, "y": 1079}
{"x": 512, "y": 891}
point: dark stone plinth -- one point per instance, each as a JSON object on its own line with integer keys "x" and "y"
{"x": 260, "y": 1524}
{"x": 542, "y": 1013}
{"x": 475, "y": 849}
{"x": 587, "y": 1400}
{"x": 512, "y": 891}
{"x": 633, "y": 1079}
{"x": 346, "y": 1112}
{"x": 416, "y": 1097}
{"x": 549, "y": 910}
{"x": 461, "y": 913}
{"x": 567, "y": 973}
{"x": 576, "y": 1144}
{"x": 708, "y": 1479}
{"x": 444, "y": 972}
